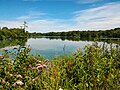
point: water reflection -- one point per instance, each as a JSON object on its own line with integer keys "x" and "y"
{"x": 56, "y": 46}
{"x": 49, "y": 47}
{"x": 8, "y": 43}
{"x": 108, "y": 40}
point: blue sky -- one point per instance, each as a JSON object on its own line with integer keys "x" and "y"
{"x": 60, "y": 15}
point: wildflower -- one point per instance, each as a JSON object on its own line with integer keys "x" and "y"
{"x": 38, "y": 64}
{"x": 1, "y": 66}
{"x": 1, "y": 87}
{"x": 39, "y": 61}
{"x": 33, "y": 68}
{"x": 35, "y": 79}
{"x": 44, "y": 66}
{"x": 60, "y": 88}
{"x": 34, "y": 58}
{"x": 5, "y": 49}
{"x": 14, "y": 84}
{"x": 1, "y": 56}
{"x": 10, "y": 74}
{"x": 3, "y": 81}
{"x": 18, "y": 82}
{"x": 30, "y": 66}
{"x": 19, "y": 76}
{"x": 46, "y": 61}
{"x": 41, "y": 66}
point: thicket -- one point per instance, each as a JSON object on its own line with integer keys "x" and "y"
{"x": 6, "y": 33}
{"x": 97, "y": 68}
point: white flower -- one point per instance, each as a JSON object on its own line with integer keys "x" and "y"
{"x": 39, "y": 61}
{"x": 60, "y": 88}
{"x": 35, "y": 78}
{"x": 19, "y": 76}
{"x": 18, "y": 82}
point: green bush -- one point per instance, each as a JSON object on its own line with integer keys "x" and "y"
{"x": 98, "y": 68}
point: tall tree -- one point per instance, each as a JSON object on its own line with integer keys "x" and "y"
{"x": 25, "y": 25}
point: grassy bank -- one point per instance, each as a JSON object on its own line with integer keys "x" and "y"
{"x": 98, "y": 68}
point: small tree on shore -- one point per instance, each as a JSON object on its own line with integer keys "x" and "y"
{"x": 25, "y": 25}
{"x": 21, "y": 27}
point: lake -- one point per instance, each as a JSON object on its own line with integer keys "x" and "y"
{"x": 50, "y": 47}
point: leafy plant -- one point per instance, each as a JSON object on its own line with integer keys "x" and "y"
{"x": 98, "y": 68}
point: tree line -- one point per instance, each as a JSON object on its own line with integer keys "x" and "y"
{"x": 6, "y": 33}
{"x": 113, "y": 33}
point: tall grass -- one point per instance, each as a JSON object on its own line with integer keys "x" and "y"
{"x": 98, "y": 68}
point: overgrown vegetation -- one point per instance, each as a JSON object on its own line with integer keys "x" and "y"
{"x": 98, "y": 68}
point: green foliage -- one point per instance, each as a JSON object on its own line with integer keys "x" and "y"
{"x": 13, "y": 42}
{"x": 113, "y": 33}
{"x": 98, "y": 68}
{"x": 6, "y": 33}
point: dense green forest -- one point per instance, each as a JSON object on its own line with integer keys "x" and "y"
{"x": 113, "y": 33}
{"x": 6, "y": 33}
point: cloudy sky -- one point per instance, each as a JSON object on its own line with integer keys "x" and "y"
{"x": 60, "y": 15}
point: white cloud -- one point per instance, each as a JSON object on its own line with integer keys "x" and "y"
{"x": 10, "y": 24}
{"x": 23, "y": 17}
{"x": 104, "y": 17}
{"x": 31, "y": 15}
{"x": 99, "y": 18}
{"x": 48, "y": 25}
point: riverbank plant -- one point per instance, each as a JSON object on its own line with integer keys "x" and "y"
{"x": 97, "y": 68}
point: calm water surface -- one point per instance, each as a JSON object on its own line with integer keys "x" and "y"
{"x": 48, "y": 47}
{"x": 55, "y": 47}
